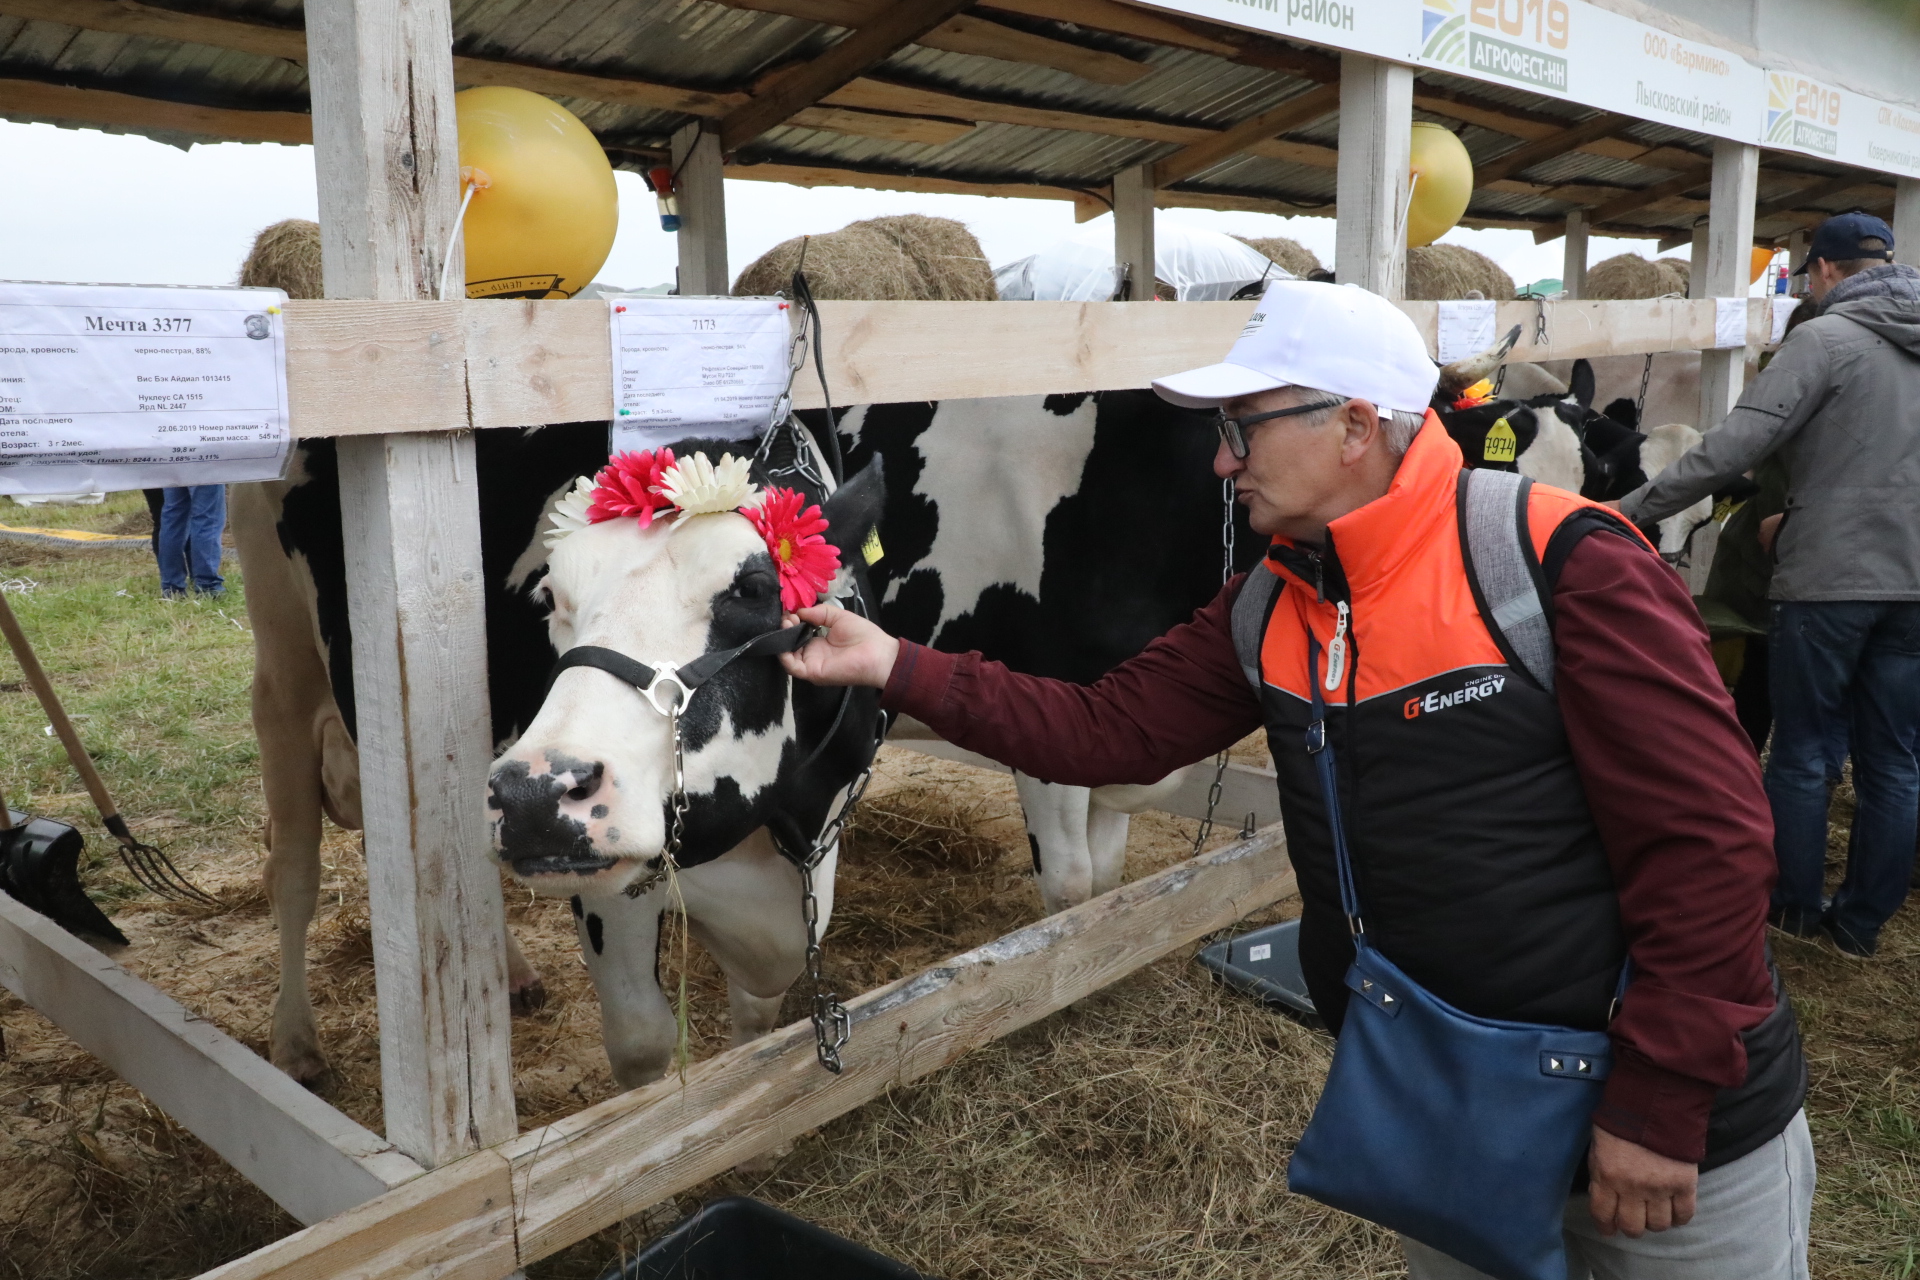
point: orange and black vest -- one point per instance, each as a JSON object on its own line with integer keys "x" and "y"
{"x": 1479, "y": 868}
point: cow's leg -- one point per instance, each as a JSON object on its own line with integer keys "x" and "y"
{"x": 744, "y": 908}
{"x": 1107, "y": 844}
{"x": 619, "y": 937}
{"x": 293, "y": 888}
{"x": 1057, "y": 833}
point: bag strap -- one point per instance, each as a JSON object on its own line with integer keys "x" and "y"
{"x": 1320, "y": 747}
{"x": 1252, "y": 610}
{"x": 1508, "y": 586}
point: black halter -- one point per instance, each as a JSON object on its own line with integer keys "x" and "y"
{"x": 648, "y": 680}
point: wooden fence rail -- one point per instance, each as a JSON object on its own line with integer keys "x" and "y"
{"x": 358, "y": 368}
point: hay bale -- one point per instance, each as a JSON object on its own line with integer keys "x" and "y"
{"x": 1446, "y": 271}
{"x": 1290, "y": 254}
{"x": 1679, "y": 274}
{"x": 903, "y": 258}
{"x": 1629, "y": 275}
{"x": 286, "y": 256}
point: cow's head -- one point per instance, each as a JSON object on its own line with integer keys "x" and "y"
{"x": 580, "y": 803}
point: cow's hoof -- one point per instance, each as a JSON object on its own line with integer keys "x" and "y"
{"x": 524, "y": 1000}
{"x": 307, "y": 1065}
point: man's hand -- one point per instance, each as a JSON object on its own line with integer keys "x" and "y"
{"x": 854, "y": 651}
{"x": 1634, "y": 1190}
{"x": 1769, "y": 530}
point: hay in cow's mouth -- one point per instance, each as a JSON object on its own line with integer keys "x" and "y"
{"x": 559, "y": 864}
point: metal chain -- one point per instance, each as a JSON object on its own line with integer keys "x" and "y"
{"x": 1640, "y": 405}
{"x": 832, "y": 1024}
{"x": 676, "y": 828}
{"x": 1226, "y": 575}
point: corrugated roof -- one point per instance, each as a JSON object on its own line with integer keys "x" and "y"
{"x": 700, "y": 44}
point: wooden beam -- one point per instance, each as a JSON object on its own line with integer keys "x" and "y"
{"x": 873, "y": 124}
{"x": 702, "y": 238}
{"x": 1729, "y": 266}
{"x": 1573, "y": 259}
{"x": 860, "y": 51}
{"x": 385, "y": 146}
{"x": 619, "y": 90}
{"x": 1376, "y": 120}
{"x": 827, "y": 176}
{"x": 870, "y": 94}
{"x": 1905, "y": 222}
{"x": 1634, "y": 201}
{"x": 970, "y": 34}
{"x": 1122, "y": 20}
{"x": 69, "y": 105}
{"x": 1528, "y": 154}
{"x": 312, "y": 1160}
{"x": 1818, "y": 189}
{"x": 1134, "y": 256}
{"x": 1296, "y": 111}
{"x": 1182, "y": 199}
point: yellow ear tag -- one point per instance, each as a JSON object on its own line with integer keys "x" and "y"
{"x": 870, "y": 549}
{"x": 1502, "y": 445}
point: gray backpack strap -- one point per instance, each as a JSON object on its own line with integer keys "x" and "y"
{"x": 1250, "y": 613}
{"x": 1503, "y": 570}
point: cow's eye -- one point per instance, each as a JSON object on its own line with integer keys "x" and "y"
{"x": 545, "y": 598}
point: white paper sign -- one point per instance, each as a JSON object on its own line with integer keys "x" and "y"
{"x": 695, "y": 366}
{"x": 106, "y": 387}
{"x": 1729, "y": 322}
{"x": 1466, "y": 328}
{"x": 1783, "y": 309}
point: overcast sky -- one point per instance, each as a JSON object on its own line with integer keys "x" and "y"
{"x": 80, "y": 205}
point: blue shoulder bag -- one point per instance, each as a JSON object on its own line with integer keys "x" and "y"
{"x": 1461, "y": 1132}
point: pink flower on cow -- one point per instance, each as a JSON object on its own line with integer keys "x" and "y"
{"x": 806, "y": 561}
{"x": 630, "y": 486}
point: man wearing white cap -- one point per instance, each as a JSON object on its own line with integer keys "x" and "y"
{"x": 1511, "y": 838}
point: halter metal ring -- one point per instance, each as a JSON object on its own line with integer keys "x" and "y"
{"x": 667, "y": 674}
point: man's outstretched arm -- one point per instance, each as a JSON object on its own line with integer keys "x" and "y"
{"x": 1179, "y": 700}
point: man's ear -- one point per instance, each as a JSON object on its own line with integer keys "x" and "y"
{"x": 1362, "y": 426}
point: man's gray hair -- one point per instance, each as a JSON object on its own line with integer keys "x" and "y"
{"x": 1397, "y": 430}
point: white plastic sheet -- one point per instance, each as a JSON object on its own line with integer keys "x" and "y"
{"x": 1201, "y": 265}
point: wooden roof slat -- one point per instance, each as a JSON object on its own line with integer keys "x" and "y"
{"x": 126, "y": 111}
{"x": 1118, "y": 19}
{"x": 1295, "y": 111}
{"x": 1528, "y": 154}
{"x": 1819, "y": 189}
{"x": 1634, "y": 200}
{"x": 886, "y": 95}
{"x": 132, "y": 18}
{"x": 970, "y": 34}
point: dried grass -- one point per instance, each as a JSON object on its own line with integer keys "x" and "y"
{"x": 1628, "y": 275}
{"x": 1446, "y": 271}
{"x": 1291, "y": 254}
{"x": 905, "y": 257}
{"x": 286, "y": 256}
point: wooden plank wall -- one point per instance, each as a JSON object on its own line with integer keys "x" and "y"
{"x": 356, "y": 368}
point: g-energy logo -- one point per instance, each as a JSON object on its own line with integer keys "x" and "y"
{"x": 1484, "y": 687}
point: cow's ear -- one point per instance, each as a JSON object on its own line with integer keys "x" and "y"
{"x": 1580, "y": 385}
{"x": 853, "y": 512}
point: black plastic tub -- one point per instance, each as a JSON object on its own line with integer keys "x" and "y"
{"x": 1265, "y": 964}
{"x": 739, "y": 1238}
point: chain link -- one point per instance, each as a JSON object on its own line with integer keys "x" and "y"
{"x": 832, "y": 1024}
{"x": 677, "y": 825}
{"x": 1640, "y": 405}
{"x": 1226, "y": 575}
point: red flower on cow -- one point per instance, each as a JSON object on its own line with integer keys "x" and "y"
{"x": 806, "y": 561}
{"x": 630, "y": 486}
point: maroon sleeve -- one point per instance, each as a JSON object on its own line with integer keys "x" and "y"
{"x": 1675, "y": 790}
{"x": 1179, "y": 700}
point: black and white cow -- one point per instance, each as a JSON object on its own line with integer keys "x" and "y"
{"x": 1058, "y": 534}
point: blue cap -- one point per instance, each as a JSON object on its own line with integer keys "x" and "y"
{"x": 1838, "y": 239}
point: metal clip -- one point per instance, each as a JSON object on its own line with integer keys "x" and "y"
{"x": 1316, "y": 737}
{"x": 667, "y": 673}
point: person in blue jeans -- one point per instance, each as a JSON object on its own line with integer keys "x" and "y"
{"x": 1840, "y": 405}
{"x": 188, "y": 545}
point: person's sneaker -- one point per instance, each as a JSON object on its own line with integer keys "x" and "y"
{"x": 1846, "y": 943}
{"x": 1795, "y": 921}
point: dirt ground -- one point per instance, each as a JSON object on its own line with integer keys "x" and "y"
{"x": 1142, "y": 1133}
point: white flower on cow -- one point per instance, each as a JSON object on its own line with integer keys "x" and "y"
{"x": 699, "y": 486}
{"x": 569, "y": 515}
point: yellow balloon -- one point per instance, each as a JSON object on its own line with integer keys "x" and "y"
{"x": 1444, "y": 181}
{"x": 1762, "y": 259}
{"x": 544, "y": 207}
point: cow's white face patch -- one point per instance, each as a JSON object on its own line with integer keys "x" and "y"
{"x": 1663, "y": 447}
{"x": 578, "y": 804}
{"x": 1006, "y": 463}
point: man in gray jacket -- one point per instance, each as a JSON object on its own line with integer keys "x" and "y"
{"x": 1840, "y": 404}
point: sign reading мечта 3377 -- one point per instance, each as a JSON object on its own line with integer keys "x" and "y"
{"x": 1575, "y": 50}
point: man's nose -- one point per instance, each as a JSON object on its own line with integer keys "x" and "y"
{"x": 1225, "y": 465}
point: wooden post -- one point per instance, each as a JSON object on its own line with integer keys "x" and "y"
{"x": 1133, "y": 249}
{"x": 385, "y": 149}
{"x": 1573, "y": 268}
{"x": 1736, "y": 175}
{"x": 1906, "y": 221}
{"x": 1376, "y": 140}
{"x": 702, "y": 192}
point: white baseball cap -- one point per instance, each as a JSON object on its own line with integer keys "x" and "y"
{"x": 1306, "y": 333}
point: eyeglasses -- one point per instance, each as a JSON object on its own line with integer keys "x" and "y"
{"x": 1233, "y": 431}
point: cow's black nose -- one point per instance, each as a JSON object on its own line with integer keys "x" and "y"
{"x": 586, "y": 785}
